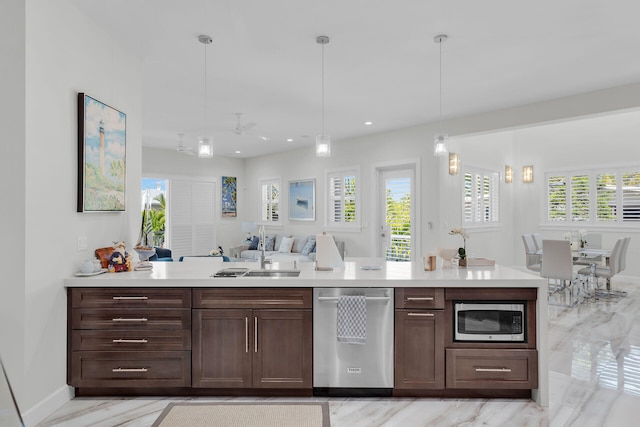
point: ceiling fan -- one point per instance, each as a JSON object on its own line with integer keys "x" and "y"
{"x": 242, "y": 128}
{"x": 182, "y": 149}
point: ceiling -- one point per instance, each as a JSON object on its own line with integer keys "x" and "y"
{"x": 381, "y": 64}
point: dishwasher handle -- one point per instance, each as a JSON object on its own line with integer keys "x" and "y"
{"x": 367, "y": 298}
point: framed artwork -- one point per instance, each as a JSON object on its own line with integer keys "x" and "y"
{"x": 102, "y": 135}
{"x": 229, "y": 196}
{"x": 302, "y": 200}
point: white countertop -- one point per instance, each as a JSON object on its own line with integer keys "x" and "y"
{"x": 391, "y": 274}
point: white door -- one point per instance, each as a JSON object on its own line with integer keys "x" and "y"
{"x": 396, "y": 200}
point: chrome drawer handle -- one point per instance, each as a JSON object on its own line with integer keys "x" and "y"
{"x": 122, "y": 319}
{"x": 129, "y": 370}
{"x": 130, "y": 298}
{"x": 493, "y": 370}
{"x": 141, "y": 341}
{"x": 421, "y": 314}
{"x": 419, "y": 298}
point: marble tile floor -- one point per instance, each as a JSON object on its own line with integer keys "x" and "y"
{"x": 594, "y": 380}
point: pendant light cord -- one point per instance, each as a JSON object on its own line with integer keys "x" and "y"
{"x": 440, "y": 43}
{"x": 205, "y": 87}
{"x": 322, "y": 89}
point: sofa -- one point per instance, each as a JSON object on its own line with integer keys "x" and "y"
{"x": 281, "y": 247}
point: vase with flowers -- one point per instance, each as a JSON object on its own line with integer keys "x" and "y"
{"x": 462, "y": 252}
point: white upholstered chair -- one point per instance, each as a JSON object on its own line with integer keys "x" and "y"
{"x": 532, "y": 255}
{"x": 557, "y": 268}
{"x": 617, "y": 263}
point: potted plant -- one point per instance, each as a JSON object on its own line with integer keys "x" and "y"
{"x": 462, "y": 251}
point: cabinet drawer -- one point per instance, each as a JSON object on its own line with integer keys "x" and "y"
{"x": 130, "y": 318}
{"x": 131, "y": 369}
{"x": 419, "y": 298}
{"x": 492, "y": 368}
{"x": 149, "y": 340}
{"x": 252, "y": 298}
{"x": 130, "y": 297}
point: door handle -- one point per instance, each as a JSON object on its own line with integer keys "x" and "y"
{"x": 419, "y": 298}
{"x": 255, "y": 334}
{"x": 129, "y": 370}
{"x": 421, "y": 314}
{"x": 246, "y": 334}
{"x": 140, "y": 341}
{"x": 493, "y": 370}
{"x": 122, "y": 319}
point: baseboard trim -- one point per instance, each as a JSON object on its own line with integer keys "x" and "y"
{"x": 47, "y": 406}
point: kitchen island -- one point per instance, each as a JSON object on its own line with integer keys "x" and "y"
{"x": 183, "y": 303}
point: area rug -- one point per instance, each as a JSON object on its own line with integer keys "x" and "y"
{"x": 244, "y": 415}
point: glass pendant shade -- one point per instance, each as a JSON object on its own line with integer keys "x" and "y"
{"x": 205, "y": 148}
{"x": 323, "y": 146}
{"x": 440, "y": 145}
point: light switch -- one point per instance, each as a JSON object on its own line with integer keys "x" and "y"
{"x": 82, "y": 243}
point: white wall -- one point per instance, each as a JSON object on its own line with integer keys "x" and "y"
{"x": 12, "y": 175}
{"x": 65, "y": 54}
{"x": 171, "y": 164}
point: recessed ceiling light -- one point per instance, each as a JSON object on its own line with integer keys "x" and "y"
{"x": 368, "y": 123}
{"x": 289, "y": 139}
{"x": 264, "y": 138}
{"x": 237, "y": 151}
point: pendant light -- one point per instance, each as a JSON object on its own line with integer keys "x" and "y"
{"x": 205, "y": 143}
{"x": 323, "y": 141}
{"x": 440, "y": 139}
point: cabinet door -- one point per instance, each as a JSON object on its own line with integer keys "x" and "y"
{"x": 221, "y": 347}
{"x": 419, "y": 349}
{"x": 282, "y": 349}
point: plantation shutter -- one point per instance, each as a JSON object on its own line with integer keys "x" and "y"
{"x": 270, "y": 199}
{"x": 580, "y": 198}
{"x": 342, "y": 199}
{"x": 631, "y": 196}
{"x": 481, "y": 202}
{"x": 557, "y": 198}
{"x": 192, "y": 218}
{"x": 606, "y": 196}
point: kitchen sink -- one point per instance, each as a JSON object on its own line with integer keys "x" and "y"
{"x": 272, "y": 273}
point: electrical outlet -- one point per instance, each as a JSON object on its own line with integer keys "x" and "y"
{"x": 82, "y": 243}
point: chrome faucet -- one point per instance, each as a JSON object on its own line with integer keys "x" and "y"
{"x": 263, "y": 261}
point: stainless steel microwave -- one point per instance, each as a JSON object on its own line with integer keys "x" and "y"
{"x": 489, "y": 321}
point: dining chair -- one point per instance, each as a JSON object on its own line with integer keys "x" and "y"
{"x": 557, "y": 268}
{"x": 532, "y": 256}
{"x": 616, "y": 264}
{"x": 537, "y": 240}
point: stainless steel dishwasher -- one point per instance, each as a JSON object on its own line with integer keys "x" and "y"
{"x": 345, "y": 369}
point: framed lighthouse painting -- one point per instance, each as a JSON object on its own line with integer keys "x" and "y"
{"x": 102, "y": 136}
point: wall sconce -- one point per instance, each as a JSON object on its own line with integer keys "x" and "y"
{"x": 527, "y": 174}
{"x": 508, "y": 174}
{"x": 454, "y": 163}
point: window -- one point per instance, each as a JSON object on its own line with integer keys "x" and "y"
{"x": 481, "y": 204}
{"x": 610, "y": 196}
{"x": 270, "y": 201}
{"x": 342, "y": 198}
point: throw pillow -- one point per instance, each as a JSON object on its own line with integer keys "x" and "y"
{"x": 254, "y": 243}
{"x": 285, "y": 246}
{"x": 269, "y": 243}
{"x": 310, "y": 246}
{"x": 298, "y": 243}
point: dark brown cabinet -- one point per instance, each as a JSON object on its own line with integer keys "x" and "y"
{"x": 252, "y": 338}
{"x": 491, "y": 365}
{"x": 128, "y": 337}
{"x": 419, "y": 339}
